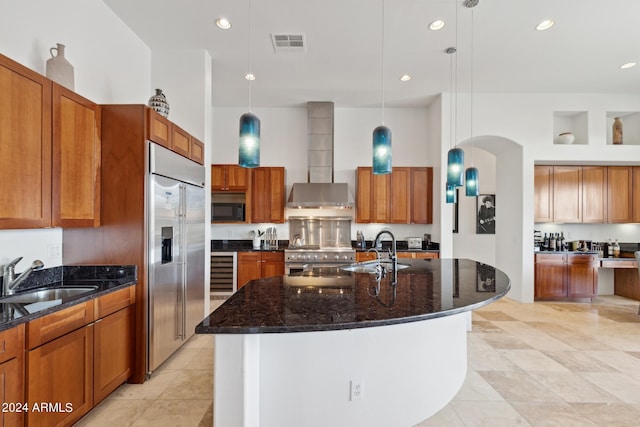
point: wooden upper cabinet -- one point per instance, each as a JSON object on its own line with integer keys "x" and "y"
{"x": 635, "y": 199}
{"x": 400, "y": 192}
{"x": 267, "y": 194}
{"x": 543, "y": 193}
{"x": 76, "y": 160}
{"x": 229, "y": 178}
{"x": 25, "y": 138}
{"x": 567, "y": 194}
{"x": 197, "y": 151}
{"x": 594, "y": 194}
{"x": 619, "y": 194}
{"x": 363, "y": 195}
{"x": 403, "y": 197}
{"x": 159, "y": 128}
{"x": 180, "y": 141}
{"x": 380, "y": 198}
{"x": 421, "y": 195}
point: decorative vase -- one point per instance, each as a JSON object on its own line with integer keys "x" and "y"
{"x": 617, "y": 131}
{"x": 566, "y": 138}
{"x": 58, "y": 68}
{"x": 159, "y": 103}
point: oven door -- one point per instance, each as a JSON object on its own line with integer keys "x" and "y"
{"x": 292, "y": 268}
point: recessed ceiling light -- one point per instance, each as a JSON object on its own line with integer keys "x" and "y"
{"x": 628, "y": 65}
{"x": 405, "y": 78}
{"x": 250, "y": 76}
{"x": 437, "y": 25}
{"x": 223, "y": 23}
{"x": 545, "y": 25}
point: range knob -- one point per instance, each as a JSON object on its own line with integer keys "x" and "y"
{"x": 337, "y": 257}
{"x": 325, "y": 256}
{"x": 345, "y": 257}
{"x": 315, "y": 257}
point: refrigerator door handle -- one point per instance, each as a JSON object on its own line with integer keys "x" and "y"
{"x": 182, "y": 299}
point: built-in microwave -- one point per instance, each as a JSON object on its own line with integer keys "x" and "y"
{"x": 227, "y": 212}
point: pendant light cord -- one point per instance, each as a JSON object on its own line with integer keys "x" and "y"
{"x": 250, "y": 58}
{"x": 455, "y": 112}
{"x": 382, "y": 63}
{"x": 471, "y": 95}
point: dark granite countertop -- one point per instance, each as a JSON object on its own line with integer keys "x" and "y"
{"x": 105, "y": 278}
{"x": 333, "y": 299}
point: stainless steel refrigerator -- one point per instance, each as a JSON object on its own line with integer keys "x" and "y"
{"x": 176, "y": 223}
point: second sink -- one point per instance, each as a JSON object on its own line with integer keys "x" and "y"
{"x": 47, "y": 294}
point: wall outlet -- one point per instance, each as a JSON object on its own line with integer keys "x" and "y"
{"x": 355, "y": 390}
{"x": 54, "y": 250}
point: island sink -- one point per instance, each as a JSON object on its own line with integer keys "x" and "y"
{"x": 370, "y": 267}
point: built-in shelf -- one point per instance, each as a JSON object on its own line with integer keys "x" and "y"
{"x": 575, "y": 122}
{"x": 630, "y": 127}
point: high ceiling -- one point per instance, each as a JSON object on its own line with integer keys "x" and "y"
{"x": 342, "y": 61}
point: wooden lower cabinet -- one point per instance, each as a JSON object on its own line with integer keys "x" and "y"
{"x": 12, "y": 375}
{"x": 256, "y": 265}
{"x": 113, "y": 352}
{"x": 418, "y": 255}
{"x": 365, "y": 256}
{"x": 560, "y": 276}
{"x": 60, "y": 376}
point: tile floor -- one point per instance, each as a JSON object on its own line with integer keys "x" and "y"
{"x": 542, "y": 364}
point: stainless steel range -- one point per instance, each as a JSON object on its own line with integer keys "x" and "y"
{"x": 316, "y": 242}
{"x": 304, "y": 259}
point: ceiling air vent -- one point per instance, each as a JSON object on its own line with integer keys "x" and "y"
{"x": 288, "y": 43}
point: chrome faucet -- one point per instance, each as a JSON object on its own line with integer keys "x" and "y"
{"x": 9, "y": 279}
{"x": 378, "y": 244}
{"x": 392, "y": 253}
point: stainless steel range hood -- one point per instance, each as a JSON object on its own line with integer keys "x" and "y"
{"x": 320, "y": 191}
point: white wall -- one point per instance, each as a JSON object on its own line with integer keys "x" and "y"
{"x": 111, "y": 65}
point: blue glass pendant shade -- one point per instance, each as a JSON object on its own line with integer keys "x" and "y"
{"x": 451, "y": 194}
{"x": 249, "y": 149}
{"x": 472, "y": 185}
{"x": 381, "y": 150}
{"x": 455, "y": 167}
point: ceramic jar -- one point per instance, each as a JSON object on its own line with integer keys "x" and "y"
{"x": 565, "y": 138}
{"x": 617, "y": 131}
{"x": 58, "y": 68}
{"x": 159, "y": 103}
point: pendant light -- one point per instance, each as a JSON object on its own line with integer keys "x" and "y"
{"x": 455, "y": 156}
{"x": 382, "y": 134}
{"x": 249, "y": 147}
{"x": 472, "y": 185}
{"x": 451, "y": 194}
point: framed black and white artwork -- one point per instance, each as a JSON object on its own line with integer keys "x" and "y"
{"x": 485, "y": 278}
{"x": 486, "y": 214}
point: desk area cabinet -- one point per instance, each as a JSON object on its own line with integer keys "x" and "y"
{"x": 566, "y": 276}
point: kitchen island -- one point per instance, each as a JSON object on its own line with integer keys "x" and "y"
{"x": 332, "y": 347}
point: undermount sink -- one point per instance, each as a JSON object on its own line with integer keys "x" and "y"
{"x": 47, "y": 294}
{"x": 370, "y": 267}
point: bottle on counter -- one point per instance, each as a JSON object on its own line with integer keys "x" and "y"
{"x": 552, "y": 242}
{"x": 610, "y": 249}
{"x": 561, "y": 244}
{"x": 616, "y": 249}
{"x": 545, "y": 243}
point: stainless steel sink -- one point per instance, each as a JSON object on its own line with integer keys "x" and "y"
{"x": 48, "y": 294}
{"x": 370, "y": 267}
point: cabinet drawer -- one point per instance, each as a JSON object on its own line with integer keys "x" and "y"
{"x": 551, "y": 259}
{"x": 582, "y": 259}
{"x": 11, "y": 343}
{"x": 54, "y": 325}
{"x": 619, "y": 264}
{"x": 114, "y": 301}
{"x": 273, "y": 256}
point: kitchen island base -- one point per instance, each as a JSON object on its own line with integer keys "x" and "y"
{"x": 394, "y": 375}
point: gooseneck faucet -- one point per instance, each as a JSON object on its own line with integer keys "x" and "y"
{"x": 9, "y": 279}
{"x": 392, "y": 253}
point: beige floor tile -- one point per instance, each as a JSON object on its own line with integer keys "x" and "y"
{"x": 533, "y": 337}
{"x": 190, "y": 384}
{"x": 181, "y": 359}
{"x": 173, "y": 413}
{"x": 620, "y": 385}
{"x": 548, "y": 415}
{"x": 533, "y": 361}
{"x": 570, "y": 336}
{"x": 502, "y": 340}
{"x": 496, "y": 315}
{"x": 151, "y": 389}
{"x": 476, "y": 388}
{"x": 114, "y": 413}
{"x": 202, "y": 360}
{"x": 199, "y": 341}
{"x": 614, "y": 415}
{"x": 572, "y": 387}
{"x": 447, "y": 416}
{"x": 488, "y": 360}
{"x": 578, "y": 361}
{"x": 488, "y": 414}
{"x": 619, "y": 360}
{"x": 519, "y": 386}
